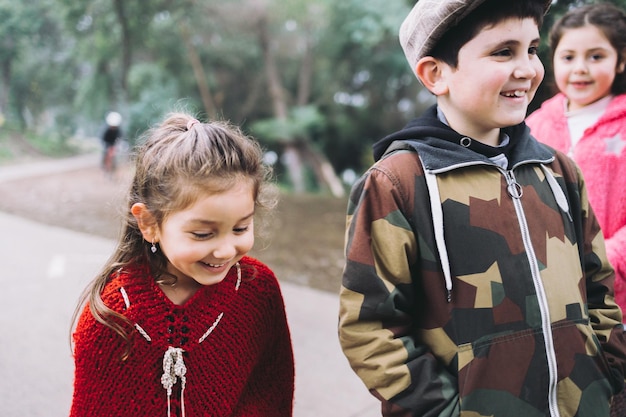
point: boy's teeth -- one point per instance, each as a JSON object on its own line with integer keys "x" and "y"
{"x": 517, "y": 93}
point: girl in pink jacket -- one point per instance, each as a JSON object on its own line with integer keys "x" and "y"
{"x": 587, "y": 118}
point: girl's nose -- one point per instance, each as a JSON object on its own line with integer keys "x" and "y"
{"x": 225, "y": 250}
{"x": 580, "y": 66}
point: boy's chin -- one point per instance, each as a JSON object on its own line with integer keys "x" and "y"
{"x": 514, "y": 119}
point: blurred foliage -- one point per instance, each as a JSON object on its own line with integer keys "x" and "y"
{"x": 342, "y": 76}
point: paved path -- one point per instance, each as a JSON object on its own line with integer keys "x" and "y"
{"x": 48, "y": 166}
{"x": 44, "y": 269}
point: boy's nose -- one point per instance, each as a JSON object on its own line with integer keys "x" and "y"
{"x": 525, "y": 69}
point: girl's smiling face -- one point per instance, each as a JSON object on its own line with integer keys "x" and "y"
{"x": 203, "y": 241}
{"x": 585, "y": 64}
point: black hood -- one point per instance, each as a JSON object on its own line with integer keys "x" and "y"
{"x": 440, "y": 146}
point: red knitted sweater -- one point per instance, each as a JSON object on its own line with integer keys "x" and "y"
{"x": 243, "y": 367}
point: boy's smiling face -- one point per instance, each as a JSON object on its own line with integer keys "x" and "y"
{"x": 497, "y": 75}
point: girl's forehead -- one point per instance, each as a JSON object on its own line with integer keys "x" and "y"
{"x": 587, "y": 32}
{"x": 195, "y": 189}
{"x": 584, "y": 39}
{"x": 226, "y": 207}
{"x": 236, "y": 193}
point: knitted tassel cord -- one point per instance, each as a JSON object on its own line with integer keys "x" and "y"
{"x": 174, "y": 368}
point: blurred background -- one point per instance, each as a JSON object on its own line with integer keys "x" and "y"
{"x": 317, "y": 82}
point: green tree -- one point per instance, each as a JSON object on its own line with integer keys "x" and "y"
{"x": 368, "y": 88}
{"x": 26, "y": 30}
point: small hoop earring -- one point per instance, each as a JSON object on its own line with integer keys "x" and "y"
{"x": 153, "y": 248}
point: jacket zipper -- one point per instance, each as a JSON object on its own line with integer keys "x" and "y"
{"x": 514, "y": 189}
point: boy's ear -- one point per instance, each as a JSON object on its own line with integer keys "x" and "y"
{"x": 430, "y": 72}
{"x": 146, "y": 222}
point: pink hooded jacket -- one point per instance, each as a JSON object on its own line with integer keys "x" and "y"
{"x": 601, "y": 155}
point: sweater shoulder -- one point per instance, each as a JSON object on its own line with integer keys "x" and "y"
{"x": 258, "y": 275}
{"x": 616, "y": 109}
{"x": 133, "y": 279}
{"x": 548, "y": 124}
{"x": 550, "y": 110}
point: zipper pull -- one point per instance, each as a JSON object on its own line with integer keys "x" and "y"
{"x": 513, "y": 188}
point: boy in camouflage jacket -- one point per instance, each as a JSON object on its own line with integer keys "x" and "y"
{"x": 476, "y": 280}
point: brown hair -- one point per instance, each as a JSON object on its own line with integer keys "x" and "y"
{"x": 487, "y": 14}
{"x": 176, "y": 161}
{"x": 609, "y": 19}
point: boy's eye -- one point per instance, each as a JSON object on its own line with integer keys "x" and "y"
{"x": 532, "y": 50}
{"x": 502, "y": 52}
{"x": 596, "y": 57}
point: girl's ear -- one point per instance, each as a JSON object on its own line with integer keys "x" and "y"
{"x": 146, "y": 222}
{"x": 621, "y": 62}
{"x": 430, "y": 71}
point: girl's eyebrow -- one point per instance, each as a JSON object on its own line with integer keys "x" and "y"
{"x": 598, "y": 49}
{"x": 586, "y": 51}
{"x": 211, "y": 222}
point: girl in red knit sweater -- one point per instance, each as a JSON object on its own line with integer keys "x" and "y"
{"x": 180, "y": 322}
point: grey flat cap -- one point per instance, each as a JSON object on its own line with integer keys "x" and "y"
{"x": 429, "y": 20}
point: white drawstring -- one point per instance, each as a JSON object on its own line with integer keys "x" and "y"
{"x": 173, "y": 368}
{"x": 437, "y": 215}
{"x": 238, "y": 276}
{"x": 559, "y": 195}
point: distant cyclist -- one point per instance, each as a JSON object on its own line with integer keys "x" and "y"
{"x": 109, "y": 139}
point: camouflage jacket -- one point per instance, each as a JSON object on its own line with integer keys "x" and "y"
{"x": 472, "y": 290}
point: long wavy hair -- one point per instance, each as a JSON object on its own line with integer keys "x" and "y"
{"x": 177, "y": 160}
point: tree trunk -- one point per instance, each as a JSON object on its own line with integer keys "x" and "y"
{"x": 306, "y": 72}
{"x": 291, "y": 157}
{"x": 4, "y": 88}
{"x": 324, "y": 171}
{"x": 127, "y": 51}
{"x": 251, "y": 99}
{"x": 293, "y": 162}
{"x": 199, "y": 74}
{"x": 294, "y": 155}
